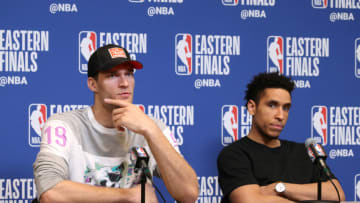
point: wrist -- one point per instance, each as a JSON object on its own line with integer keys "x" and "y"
{"x": 128, "y": 195}
{"x": 151, "y": 130}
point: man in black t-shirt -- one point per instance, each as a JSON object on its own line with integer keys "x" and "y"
{"x": 262, "y": 168}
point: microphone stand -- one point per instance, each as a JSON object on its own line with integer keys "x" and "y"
{"x": 319, "y": 194}
{"x": 143, "y": 182}
{"x": 319, "y": 186}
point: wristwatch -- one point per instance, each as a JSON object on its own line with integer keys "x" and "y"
{"x": 280, "y": 187}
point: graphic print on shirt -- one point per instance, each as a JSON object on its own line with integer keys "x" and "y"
{"x": 123, "y": 175}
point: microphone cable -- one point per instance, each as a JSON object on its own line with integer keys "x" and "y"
{"x": 337, "y": 191}
{"x": 148, "y": 176}
{"x": 157, "y": 190}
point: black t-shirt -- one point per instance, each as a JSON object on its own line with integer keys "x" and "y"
{"x": 246, "y": 162}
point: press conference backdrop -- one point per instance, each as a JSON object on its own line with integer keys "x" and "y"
{"x": 198, "y": 57}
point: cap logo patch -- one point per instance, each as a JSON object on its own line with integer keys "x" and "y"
{"x": 117, "y": 52}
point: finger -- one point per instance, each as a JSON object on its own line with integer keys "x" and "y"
{"x": 117, "y": 111}
{"x": 118, "y": 123}
{"x": 118, "y": 118}
{"x": 116, "y": 102}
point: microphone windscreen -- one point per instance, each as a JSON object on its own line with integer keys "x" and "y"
{"x": 310, "y": 141}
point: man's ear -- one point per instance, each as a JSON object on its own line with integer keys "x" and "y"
{"x": 251, "y": 107}
{"x": 92, "y": 84}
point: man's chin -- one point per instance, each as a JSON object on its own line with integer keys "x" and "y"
{"x": 273, "y": 136}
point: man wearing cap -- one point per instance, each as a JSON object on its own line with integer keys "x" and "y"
{"x": 85, "y": 154}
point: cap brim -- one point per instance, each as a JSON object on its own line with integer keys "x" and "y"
{"x": 136, "y": 64}
{"x": 113, "y": 63}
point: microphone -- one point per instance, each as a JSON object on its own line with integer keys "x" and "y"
{"x": 142, "y": 159}
{"x": 317, "y": 154}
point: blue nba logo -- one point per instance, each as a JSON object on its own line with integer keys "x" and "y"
{"x": 229, "y": 124}
{"x": 37, "y": 119}
{"x": 87, "y": 46}
{"x": 275, "y": 56}
{"x": 183, "y": 54}
{"x": 357, "y": 188}
{"x": 230, "y": 2}
{"x": 319, "y": 3}
{"x": 357, "y": 57}
{"x": 319, "y": 129}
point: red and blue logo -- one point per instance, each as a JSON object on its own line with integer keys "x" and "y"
{"x": 37, "y": 119}
{"x": 311, "y": 154}
{"x": 319, "y": 127}
{"x": 141, "y": 152}
{"x": 275, "y": 54}
{"x": 87, "y": 46}
{"x": 357, "y": 57}
{"x": 230, "y": 2}
{"x": 319, "y": 3}
{"x": 229, "y": 124}
{"x": 320, "y": 150}
{"x": 183, "y": 54}
{"x": 357, "y": 188}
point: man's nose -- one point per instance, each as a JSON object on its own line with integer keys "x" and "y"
{"x": 280, "y": 114}
{"x": 123, "y": 81}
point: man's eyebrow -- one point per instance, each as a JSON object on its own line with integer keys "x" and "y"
{"x": 273, "y": 101}
{"x": 277, "y": 102}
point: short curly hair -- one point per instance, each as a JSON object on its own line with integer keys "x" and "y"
{"x": 267, "y": 80}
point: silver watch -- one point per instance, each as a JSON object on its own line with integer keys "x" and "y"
{"x": 280, "y": 187}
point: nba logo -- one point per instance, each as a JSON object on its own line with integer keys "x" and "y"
{"x": 141, "y": 152}
{"x": 319, "y": 129}
{"x": 37, "y": 119}
{"x": 319, "y": 3}
{"x": 319, "y": 150}
{"x": 230, "y": 2}
{"x": 183, "y": 54}
{"x": 357, "y": 57}
{"x": 311, "y": 154}
{"x": 275, "y": 57}
{"x": 87, "y": 46}
{"x": 229, "y": 124}
{"x": 357, "y": 188}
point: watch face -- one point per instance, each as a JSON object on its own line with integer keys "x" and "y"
{"x": 280, "y": 187}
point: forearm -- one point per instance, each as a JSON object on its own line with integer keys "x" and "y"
{"x": 254, "y": 193}
{"x": 68, "y": 191}
{"x": 272, "y": 199}
{"x": 300, "y": 192}
{"x": 262, "y": 199}
{"x": 179, "y": 177}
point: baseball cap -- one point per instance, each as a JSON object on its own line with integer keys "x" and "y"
{"x": 108, "y": 56}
